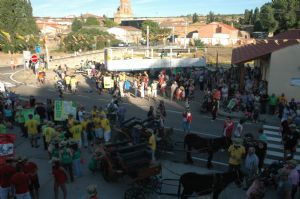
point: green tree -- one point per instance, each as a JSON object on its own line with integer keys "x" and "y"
{"x": 153, "y": 30}
{"x": 267, "y": 18}
{"x": 17, "y": 21}
{"x": 210, "y": 17}
{"x": 91, "y": 21}
{"x": 109, "y": 23}
{"x": 248, "y": 17}
{"x": 87, "y": 39}
{"x": 285, "y": 12}
{"x": 195, "y": 18}
{"x": 255, "y": 16}
{"x": 76, "y": 25}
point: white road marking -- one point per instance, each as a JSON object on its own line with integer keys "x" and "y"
{"x": 11, "y": 77}
{"x": 196, "y": 132}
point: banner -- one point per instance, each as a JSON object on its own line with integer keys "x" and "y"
{"x": 6, "y": 146}
{"x": 62, "y": 109}
{"x": 108, "y": 82}
{"x": 26, "y": 112}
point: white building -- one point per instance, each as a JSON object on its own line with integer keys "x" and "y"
{"x": 126, "y": 34}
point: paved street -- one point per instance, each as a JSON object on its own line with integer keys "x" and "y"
{"x": 202, "y": 125}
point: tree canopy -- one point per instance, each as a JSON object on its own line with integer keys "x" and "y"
{"x": 91, "y": 21}
{"x": 109, "y": 23}
{"x": 76, "y": 25}
{"x": 87, "y": 39}
{"x": 276, "y": 16}
{"x": 195, "y": 18}
{"x": 18, "y": 29}
{"x": 155, "y": 32}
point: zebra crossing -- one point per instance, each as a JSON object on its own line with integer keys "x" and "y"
{"x": 275, "y": 147}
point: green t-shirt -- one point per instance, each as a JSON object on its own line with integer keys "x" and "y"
{"x": 273, "y": 100}
{"x": 2, "y": 129}
{"x": 20, "y": 117}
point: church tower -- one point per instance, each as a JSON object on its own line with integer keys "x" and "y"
{"x": 124, "y": 11}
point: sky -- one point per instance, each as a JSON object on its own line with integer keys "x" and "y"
{"x": 142, "y": 8}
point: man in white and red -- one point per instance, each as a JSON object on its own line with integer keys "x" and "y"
{"x": 21, "y": 181}
{"x": 228, "y": 128}
{"x": 6, "y": 173}
{"x": 31, "y": 169}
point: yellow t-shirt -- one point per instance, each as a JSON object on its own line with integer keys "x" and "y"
{"x": 105, "y": 125}
{"x": 236, "y": 154}
{"x": 94, "y": 113}
{"x": 97, "y": 122}
{"x": 32, "y": 126}
{"x": 84, "y": 125}
{"x": 76, "y": 132}
{"x": 70, "y": 123}
{"x": 73, "y": 81}
{"x": 152, "y": 142}
{"x": 49, "y": 133}
{"x": 68, "y": 79}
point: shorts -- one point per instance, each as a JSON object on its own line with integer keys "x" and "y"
{"x": 4, "y": 192}
{"x": 33, "y": 136}
{"x": 107, "y": 136}
{"x": 99, "y": 133}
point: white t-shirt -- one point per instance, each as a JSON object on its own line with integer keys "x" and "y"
{"x": 238, "y": 131}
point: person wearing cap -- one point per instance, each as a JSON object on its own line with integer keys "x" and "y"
{"x": 152, "y": 143}
{"x": 60, "y": 178}
{"x": 21, "y": 182}
{"x": 6, "y": 173}
{"x": 293, "y": 177}
{"x": 236, "y": 153}
{"x": 31, "y": 169}
{"x": 32, "y": 129}
{"x": 284, "y": 188}
{"x": 92, "y": 192}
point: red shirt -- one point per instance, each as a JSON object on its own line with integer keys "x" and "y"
{"x": 31, "y": 168}
{"x": 228, "y": 129}
{"x": 21, "y": 182}
{"x": 6, "y": 172}
{"x": 59, "y": 176}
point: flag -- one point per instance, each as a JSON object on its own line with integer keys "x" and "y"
{"x": 6, "y": 35}
{"x": 74, "y": 38}
{"x": 20, "y": 37}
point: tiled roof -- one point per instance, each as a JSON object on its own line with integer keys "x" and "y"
{"x": 263, "y": 47}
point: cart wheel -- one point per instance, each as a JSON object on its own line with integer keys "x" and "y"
{"x": 134, "y": 193}
{"x": 105, "y": 171}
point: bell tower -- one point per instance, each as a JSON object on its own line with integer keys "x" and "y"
{"x": 124, "y": 11}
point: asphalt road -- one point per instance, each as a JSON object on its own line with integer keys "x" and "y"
{"x": 136, "y": 107}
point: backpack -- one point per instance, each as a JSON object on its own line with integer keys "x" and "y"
{"x": 66, "y": 157}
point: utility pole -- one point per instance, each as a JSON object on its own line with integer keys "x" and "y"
{"x": 173, "y": 35}
{"x": 47, "y": 52}
{"x": 186, "y": 24}
{"x": 148, "y": 31}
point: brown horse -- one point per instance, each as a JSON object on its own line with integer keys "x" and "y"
{"x": 204, "y": 184}
{"x": 204, "y": 145}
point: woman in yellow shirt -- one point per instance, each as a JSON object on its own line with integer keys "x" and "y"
{"x": 106, "y": 128}
{"x": 152, "y": 143}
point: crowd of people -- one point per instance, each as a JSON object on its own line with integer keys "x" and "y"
{"x": 89, "y": 130}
